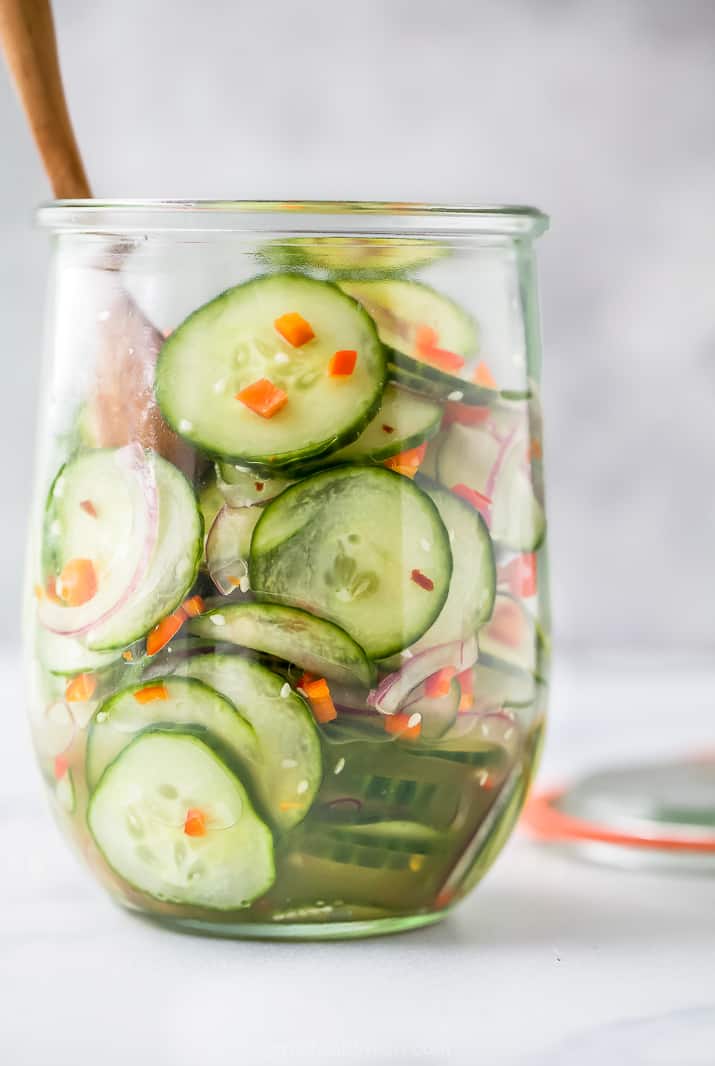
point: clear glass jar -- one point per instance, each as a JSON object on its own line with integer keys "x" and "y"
{"x": 287, "y": 611}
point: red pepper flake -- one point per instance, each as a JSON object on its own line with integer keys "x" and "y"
{"x": 388, "y": 429}
{"x": 89, "y": 508}
{"x": 422, "y": 580}
{"x": 260, "y": 486}
{"x": 127, "y": 656}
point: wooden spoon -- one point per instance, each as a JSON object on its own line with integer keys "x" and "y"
{"x": 121, "y": 406}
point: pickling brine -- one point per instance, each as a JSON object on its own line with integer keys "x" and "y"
{"x": 287, "y": 609}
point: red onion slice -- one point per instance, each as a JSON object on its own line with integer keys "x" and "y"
{"x": 395, "y": 690}
{"x": 131, "y": 559}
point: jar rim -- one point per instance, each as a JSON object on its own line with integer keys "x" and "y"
{"x": 303, "y": 217}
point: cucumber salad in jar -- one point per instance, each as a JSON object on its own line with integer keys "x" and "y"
{"x": 288, "y": 629}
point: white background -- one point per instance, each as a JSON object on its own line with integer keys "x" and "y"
{"x": 601, "y": 113}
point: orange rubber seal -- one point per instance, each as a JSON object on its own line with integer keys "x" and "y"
{"x": 544, "y": 821}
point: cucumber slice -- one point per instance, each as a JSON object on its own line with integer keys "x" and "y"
{"x": 404, "y": 421}
{"x": 172, "y": 569}
{"x": 288, "y": 633}
{"x": 473, "y": 585}
{"x": 137, "y": 816}
{"x": 211, "y": 501}
{"x": 231, "y": 342}
{"x": 186, "y": 703}
{"x": 356, "y": 545}
{"x": 101, "y": 508}
{"x": 356, "y": 256}
{"x": 403, "y": 836}
{"x": 437, "y": 713}
{"x": 497, "y": 467}
{"x": 399, "y": 309}
{"x": 243, "y": 488}
{"x": 497, "y": 684}
{"x": 66, "y": 656}
{"x": 289, "y": 771}
{"x": 228, "y": 546}
{"x": 512, "y": 636}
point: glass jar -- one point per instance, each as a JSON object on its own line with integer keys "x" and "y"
{"x": 287, "y": 592}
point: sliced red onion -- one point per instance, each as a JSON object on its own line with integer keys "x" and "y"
{"x": 395, "y": 690}
{"x": 75, "y": 621}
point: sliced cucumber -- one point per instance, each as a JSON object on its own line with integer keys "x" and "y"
{"x": 512, "y": 636}
{"x": 138, "y": 813}
{"x": 400, "y": 309}
{"x": 211, "y": 501}
{"x": 243, "y": 488}
{"x": 437, "y": 713}
{"x": 288, "y": 773}
{"x": 102, "y": 510}
{"x": 183, "y": 702}
{"x": 288, "y": 633}
{"x": 172, "y": 569}
{"x": 495, "y": 464}
{"x": 66, "y": 656}
{"x": 232, "y": 342}
{"x": 361, "y": 546}
{"x": 473, "y": 585}
{"x": 393, "y": 835}
{"x": 497, "y": 684}
{"x": 373, "y": 256}
{"x": 228, "y": 547}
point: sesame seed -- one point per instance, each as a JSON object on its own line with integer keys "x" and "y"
{"x": 414, "y": 720}
{"x": 185, "y": 426}
{"x": 59, "y": 487}
{"x": 509, "y": 733}
{"x": 483, "y": 777}
{"x": 302, "y": 787}
{"x": 485, "y": 729}
{"x": 339, "y": 766}
{"x": 407, "y": 654}
{"x": 288, "y": 764}
{"x": 244, "y": 584}
{"x": 220, "y": 385}
{"x": 56, "y": 528}
{"x": 281, "y": 358}
{"x": 218, "y": 619}
{"x": 456, "y": 396}
{"x": 425, "y": 545}
{"x": 450, "y": 533}
{"x": 285, "y": 691}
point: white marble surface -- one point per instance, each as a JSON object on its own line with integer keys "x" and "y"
{"x": 550, "y": 961}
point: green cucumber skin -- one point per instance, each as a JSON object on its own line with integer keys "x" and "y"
{"x": 303, "y": 257}
{"x": 276, "y": 466}
{"x": 360, "y": 669}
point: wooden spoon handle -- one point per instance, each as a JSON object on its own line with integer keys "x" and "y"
{"x": 27, "y": 34}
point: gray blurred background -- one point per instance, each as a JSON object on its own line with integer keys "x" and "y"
{"x": 602, "y": 113}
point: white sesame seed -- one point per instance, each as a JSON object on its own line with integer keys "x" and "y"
{"x": 218, "y": 619}
{"x": 288, "y": 764}
{"x": 456, "y": 396}
{"x": 483, "y": 777}
{"x": 244, "y": 584}
{"x": 339, "y": 766}
{"x": 103, "y": 316}
{"x": 425, "y": 545}
{"x": 281, "y": 358}
{"x": 56, "y": 528}
{"x": 407, "y": 654}
{"x": 185, "y": 426}
{"x": 509, "y": 733}
{"x": 414, "y": 720}
{"x": 451, "y": 536}
{"x": 302, "y": 787}
{"x": 285, "y": 691}
{"x": 485, "y": 729}
{"x": 220, "y": 385}
{"x": 59, "y": 487}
